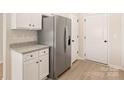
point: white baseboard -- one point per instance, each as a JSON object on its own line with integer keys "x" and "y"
{"x": 117, "y": 67}
{"x": 114, "y": 66}
{"x": 80, "y": 58}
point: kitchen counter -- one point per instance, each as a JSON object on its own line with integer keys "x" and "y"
{"x": 29, "y": 48}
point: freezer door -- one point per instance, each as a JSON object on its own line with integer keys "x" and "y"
{"x": 60, "y": 46}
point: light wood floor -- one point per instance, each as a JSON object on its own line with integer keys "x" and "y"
{"x": 1, "y": 71}
{"x": 89, "y": 70}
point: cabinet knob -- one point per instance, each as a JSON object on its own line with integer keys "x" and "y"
{"x": 29, "y": 24}
{"x": 40, "y": 60}
{"x": 105, "y": 41}
{"x": 44, "y": 51}
{"x": 31, "y": 55}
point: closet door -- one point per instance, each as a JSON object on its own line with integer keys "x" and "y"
{"x": 96, "y": 38}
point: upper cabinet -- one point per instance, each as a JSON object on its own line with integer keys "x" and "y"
{"x": 27, "y": 21}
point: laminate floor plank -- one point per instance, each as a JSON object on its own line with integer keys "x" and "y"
{"x": 90, "y": 70}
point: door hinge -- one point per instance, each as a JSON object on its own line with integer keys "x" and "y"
{"x": 84, "y": 54}
{"x": 77, "y": 36}
{"x": 77, "y": 52}
{"x": 84, "y": 20}
{"x": 77, "y": 20}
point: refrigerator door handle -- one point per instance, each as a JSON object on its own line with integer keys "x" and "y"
{"x": 65, "y": 39}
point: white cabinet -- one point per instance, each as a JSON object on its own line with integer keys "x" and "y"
{"x": 30, "y": 66}
{"x": 28, "y": 21}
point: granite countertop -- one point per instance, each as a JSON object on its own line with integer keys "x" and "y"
{"x": 29, "y": 48}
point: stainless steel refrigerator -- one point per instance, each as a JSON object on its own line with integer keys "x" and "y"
{"x": 56, "y": 33}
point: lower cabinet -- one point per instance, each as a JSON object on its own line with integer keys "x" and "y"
{"x": 30, "y": 66}
{"x": 36, "y": 69}
{"x": 31, "y": 70}
{"x": 43, "y": 67}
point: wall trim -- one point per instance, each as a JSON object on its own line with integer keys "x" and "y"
{"x": 110, "y": 65}
{"x": 115, "y": 66}
{"x": 80, "y": 58}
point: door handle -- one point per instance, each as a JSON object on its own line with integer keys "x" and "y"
{"x": 69, "y": 40}
{"x": 65, "y": 39}
{"x": 37, "y": 62}
{"x": 105, "y": 41}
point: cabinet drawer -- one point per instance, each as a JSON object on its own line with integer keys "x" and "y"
{"x": 43, "y": 52}
{"x": 31, "y": 55}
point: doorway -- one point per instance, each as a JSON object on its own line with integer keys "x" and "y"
{"x": 96, "y": 38}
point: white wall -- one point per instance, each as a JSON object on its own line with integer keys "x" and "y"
{"x": 115, "y": 39}
{"x": 122, "y": 40}
{"x": 1, "y": 38}
{"x": 12, "y": 37}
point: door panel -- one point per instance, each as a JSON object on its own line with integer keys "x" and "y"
{"x": 60, "y": 45}
{"x": 96, "y": 34}
{"x": 75, "y": 30}
{"x": 31, "y": 70}
{"x": 36, "y": 20}
{"x": 23, "y": 20}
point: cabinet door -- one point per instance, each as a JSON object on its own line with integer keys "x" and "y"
{"x": 43, "y": 67}
{"x": 31, "y": 70}
{"x": 30, "y": 21}
{"x": 22, "y": 20}
{"x": 36, "y": 21}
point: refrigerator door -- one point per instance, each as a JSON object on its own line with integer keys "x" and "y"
{"x": 60, "y": 46}
{"x": 68, "y": 43}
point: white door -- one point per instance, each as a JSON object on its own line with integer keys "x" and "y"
{"x": 31, "y": 69}
{"x": 96, "y": 38}
{"x": 75, "y": 30}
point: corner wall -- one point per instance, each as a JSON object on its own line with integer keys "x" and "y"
{"x": 115, "y": 39}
